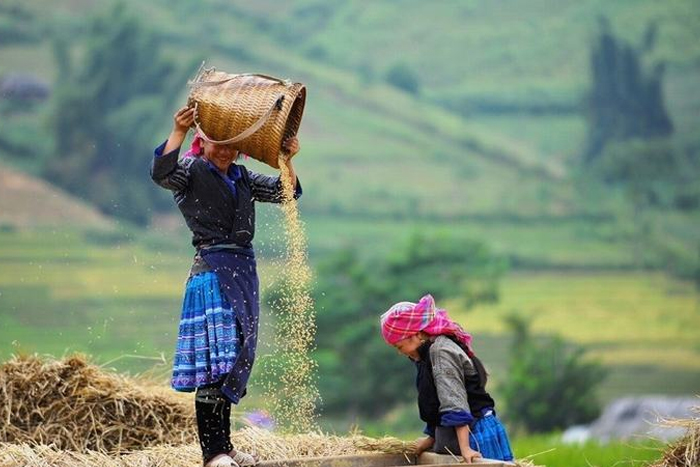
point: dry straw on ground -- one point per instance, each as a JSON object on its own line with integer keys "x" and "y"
{"x": 76, "y": 405}
{"x": 71, "y": 413}
{"x": 686, "y": 451}
{"x": 268, "y": 445}
{"x": 63, "y": 410}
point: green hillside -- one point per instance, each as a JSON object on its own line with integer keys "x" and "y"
{"x": 373, "y": 154}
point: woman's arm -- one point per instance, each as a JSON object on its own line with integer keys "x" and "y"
{"x": 166, "y": 170}
{"x": 269, "y": 189}
{"x": 182, "y": 121}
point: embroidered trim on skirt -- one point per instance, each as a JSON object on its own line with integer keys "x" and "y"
{"x": 208, "y": 341}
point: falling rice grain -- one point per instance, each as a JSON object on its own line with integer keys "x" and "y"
{"x": 294, "y": 398}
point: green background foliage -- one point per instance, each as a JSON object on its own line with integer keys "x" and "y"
{"x": 549, "y": 386}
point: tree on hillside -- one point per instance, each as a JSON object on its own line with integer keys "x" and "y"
{"x": 107, "y": 110}
{"x": 402, "y": 76}
{"x": 359, "y": 373}
{"x": 625, "y": 101}
{"x": 549, "y": 385}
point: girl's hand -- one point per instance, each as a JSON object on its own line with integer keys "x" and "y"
{"x": 471, "y": 456}
{"x": 183, "y": 120}
{"x": 423, "y": 444}
{"x": 291, "y": 146}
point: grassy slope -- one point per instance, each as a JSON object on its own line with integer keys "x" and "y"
{"x": 479, "y": 47}
{"x": 519, "y": 52}
{"x": 372, "y": 152}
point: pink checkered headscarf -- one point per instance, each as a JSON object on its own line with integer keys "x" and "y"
{"x": 405, "y": 319}
{"x": 196, "y": 149}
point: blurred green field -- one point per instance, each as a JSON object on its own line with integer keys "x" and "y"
{"x": 550, "y": 451}
{"x": 63, "y": 291}
{"x": 643, "y": 327}
{"x": 546, "y": 243}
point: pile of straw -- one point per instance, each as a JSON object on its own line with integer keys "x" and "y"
{"x": 59, "y": 410}
{"x": 69, "y": 413}
{"x": 267, "y": 445}
{"x": 72, "y": 404}
{"x": 686, "y": 451}
{"x": 273, "y": 446}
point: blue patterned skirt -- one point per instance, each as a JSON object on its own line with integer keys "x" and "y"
{"x": 487, "y": 435}
{"x": 209, "y": 340}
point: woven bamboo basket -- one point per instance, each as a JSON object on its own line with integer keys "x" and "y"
{"x": 254, "y": 113}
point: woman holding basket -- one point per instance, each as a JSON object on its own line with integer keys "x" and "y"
{"x": 219, "y": 322}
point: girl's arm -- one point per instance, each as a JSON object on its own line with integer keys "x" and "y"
{"x": 468, "y": 453}
{"x": 448, "y": 373}
{"x": 423, "y": 444}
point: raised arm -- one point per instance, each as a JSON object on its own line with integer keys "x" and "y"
{"x": 166, "y": 170}
{"x": 182, "y": 121}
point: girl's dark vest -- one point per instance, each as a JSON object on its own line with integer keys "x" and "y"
{"x": 428, "y": 402}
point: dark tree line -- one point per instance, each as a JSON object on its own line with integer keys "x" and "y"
{"x": 625, "y": 101}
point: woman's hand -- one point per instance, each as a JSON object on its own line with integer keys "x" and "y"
{"x": 290, "y": 146}
{"x": 183, "y": 120}
{"x": 423, "y": 444}
{"x": 471, "y": 455}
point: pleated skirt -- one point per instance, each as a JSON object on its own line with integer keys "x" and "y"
{"x": 488, "y": 436}
{"x": 490, "y": 439}
{"x": 209, "y": 338}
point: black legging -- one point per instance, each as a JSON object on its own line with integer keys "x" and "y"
{"x": 213, "y": 420}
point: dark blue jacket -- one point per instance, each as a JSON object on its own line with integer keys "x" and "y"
{"x": 217, "y": 208}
